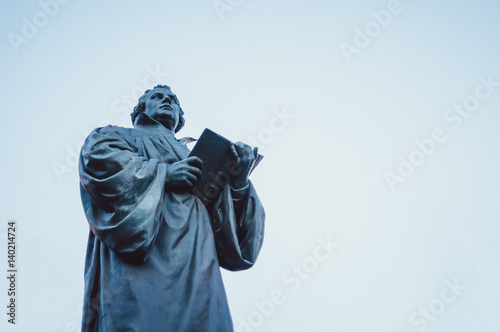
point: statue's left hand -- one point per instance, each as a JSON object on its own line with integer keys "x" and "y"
{"x": 245, "y": 157}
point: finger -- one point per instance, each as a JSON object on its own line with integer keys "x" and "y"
{"x": 255, "y": 152}
{"x": 240, "y": 146}
{"x": 234, "y": 152}
{"x": 194, "y": 161}
{"x": 248, "y": 151}
{"x": 244, "y": 150}
{"x": 195, "y": 171}
{"x": 191, "y": 179}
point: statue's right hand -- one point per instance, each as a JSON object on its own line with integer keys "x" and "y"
{"x": 183, "y": 175}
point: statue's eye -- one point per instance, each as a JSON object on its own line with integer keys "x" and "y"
{"x": 157, "y": 96}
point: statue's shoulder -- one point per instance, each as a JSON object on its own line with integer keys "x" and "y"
{"x": 113, "y": 131}
{"x": 107, "y": 134}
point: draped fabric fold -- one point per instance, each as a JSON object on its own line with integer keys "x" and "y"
{"x": 238, "y": 241}
{"x": 153, "y": 256}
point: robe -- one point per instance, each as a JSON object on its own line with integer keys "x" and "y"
{"x": 154, "y": 256}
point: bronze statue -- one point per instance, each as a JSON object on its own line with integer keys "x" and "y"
{"x": 154, "y": 249}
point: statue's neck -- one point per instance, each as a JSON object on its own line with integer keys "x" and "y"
{"x": 144, "y": 120}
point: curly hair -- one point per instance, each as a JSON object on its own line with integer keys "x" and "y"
{"x": 141, "y": 106}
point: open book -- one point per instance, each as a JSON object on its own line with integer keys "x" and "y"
{"x": 218, "y": 165}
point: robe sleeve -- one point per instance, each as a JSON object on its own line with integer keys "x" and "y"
{"x": 121, "y": 192}
{"x": 238, "y": 222}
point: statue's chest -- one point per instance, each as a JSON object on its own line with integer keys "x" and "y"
{"x": 161, "y": 148}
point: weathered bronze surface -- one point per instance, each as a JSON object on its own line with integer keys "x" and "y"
{"x": 154, "y": 249}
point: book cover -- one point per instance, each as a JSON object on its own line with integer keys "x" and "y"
{"x": 215, "y": 152}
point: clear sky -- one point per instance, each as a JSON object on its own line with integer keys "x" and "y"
{"x": 377, "y": 120}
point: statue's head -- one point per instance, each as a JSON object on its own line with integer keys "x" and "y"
{"x": 161, "y": 105}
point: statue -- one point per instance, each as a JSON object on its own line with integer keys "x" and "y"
{"x": 154, "y": 249}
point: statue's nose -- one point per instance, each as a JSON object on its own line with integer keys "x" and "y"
{"x": 166, "y": 101}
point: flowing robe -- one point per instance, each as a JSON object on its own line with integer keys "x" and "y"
{"x": 153, "y": 256}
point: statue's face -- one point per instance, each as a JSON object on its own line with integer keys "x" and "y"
{"x": 163, "y": 106}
